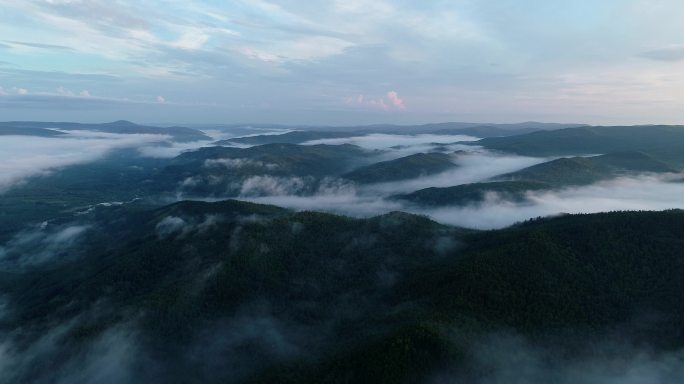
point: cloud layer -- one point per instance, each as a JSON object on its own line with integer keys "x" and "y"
{"x": 298, "y": 62}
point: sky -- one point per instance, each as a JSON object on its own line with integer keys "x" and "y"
{"x": 340, "y": 62}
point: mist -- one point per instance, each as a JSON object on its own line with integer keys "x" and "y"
{"x": 25, "y": 156}
{"x": 475, "y": 165}
{"x": 395, "y": 146}
{"x": 646, "y": 192}
{"x": 505, "y": 358}
{"x": 42, "y": 244}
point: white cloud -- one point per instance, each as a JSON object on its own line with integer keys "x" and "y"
{"x": 192, "y": 39}
{"x": 26, "y": 156}
{"x": 240, "y": 163}
{"x": 387, "y": 141}
{"x": 390, "y": 101}
{"x": 65, "y": 92}
{"x": 395, "y": 100}
{"x": 41, "y": 244}
{"x": 271, "y": 186}
{"x": 170, "y": 225}
{"x": 634, "y": 193}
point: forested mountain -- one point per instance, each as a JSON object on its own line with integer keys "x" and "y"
{"x": 587, "y": 170}
{"x": 408, "y": 167}
{"x": 296, "y": 137}
{"x": 223, "y": 170}
{"x": 591, "y": 140}
{"x": 105, "y": 268}
{"x": 233, "y": 291}
{"x": 554, "y": 174}
{"x": 35, "y": 128}
{"x": 465, "y": 194}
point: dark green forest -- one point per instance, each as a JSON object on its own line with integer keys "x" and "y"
{"x": 394, "y": 298}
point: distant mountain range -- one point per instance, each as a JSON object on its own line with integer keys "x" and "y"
{"x": 51, "y": 129}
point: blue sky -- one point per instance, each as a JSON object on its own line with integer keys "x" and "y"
{"x": 343, "y": 61}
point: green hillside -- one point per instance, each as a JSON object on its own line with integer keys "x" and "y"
{"x": 296, "y": 137}
{"x": 409, "y": 167}
{"x": 180, "y": 134}
{"x": 587, "y": 170}
{"x": 590, "y": 140}
{"x": 390, "y": 299}
{"x": 221, "y": 170}
{"x": 466, "y": 194}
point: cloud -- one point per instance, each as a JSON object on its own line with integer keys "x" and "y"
{"x": 395, "y": 100}
{"x": 629, "y": 193}
{"x": 107, "y": 356}
{"x": 39, "y": 45}
{"x": 472, "y": 166}
{"x": 64, "y": 92}
{"x": 170, "y": 225}
{"x": 20, "y": 91}
{"x": 392, "y": 102}
{"x": 26, "y": 156}
{"x": 646, "y": 192}
{"x": 168, "y": 150}
{"x": 41, "y": 244}
{"x": 161, "y": 99}
{"x": 66, "y": 100}
{"x": 399, "y": 145}
{"x": 669, "y": 53}
{"x": 240, "y": 163}
{"x": 508, "y": 358}
{"x": 272, "y": 186}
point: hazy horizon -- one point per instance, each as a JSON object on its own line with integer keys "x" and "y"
{"x": 342, "y": 62}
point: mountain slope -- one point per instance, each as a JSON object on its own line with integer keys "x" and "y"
{"x": 589, "y": 140}
{"x": 474, "y": 193}
{"x": 296, "y": 137}
{"x": 587, "y": 170}
{"x": 550, "y": 175}
{"x": 239, "y": 292}
{"x": 180, "y": 134}
{"x": 408, "y": 167}
{"x": 272, "y": 169}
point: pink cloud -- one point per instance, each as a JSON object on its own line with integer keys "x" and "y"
{"x": 395, "y": 100}
{"x": 391, "y": 101}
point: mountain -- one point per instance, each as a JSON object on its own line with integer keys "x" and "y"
{"x": 192, "y": 267}
{"x": 270, "y": 168}
{"x": 28, "y": 131}
{"x": 590, "y": 140}
{"x": 408, "y": 167}
{"x": 550, "y": 175}
{"x": 587, "y": 170}
{"x": 180, "y": 134}
{"x": 239, "y": 292}
{"x": 484, "y": 130}
{"x": 466, "y": 194}
{"x": 459, "y": 128}
{"x": 470, "y": 129}
{"x": 296, "y": 137}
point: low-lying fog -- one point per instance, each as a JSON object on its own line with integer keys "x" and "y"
{"x": 23, "y": 156}
{"x": 629, "y": 193}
